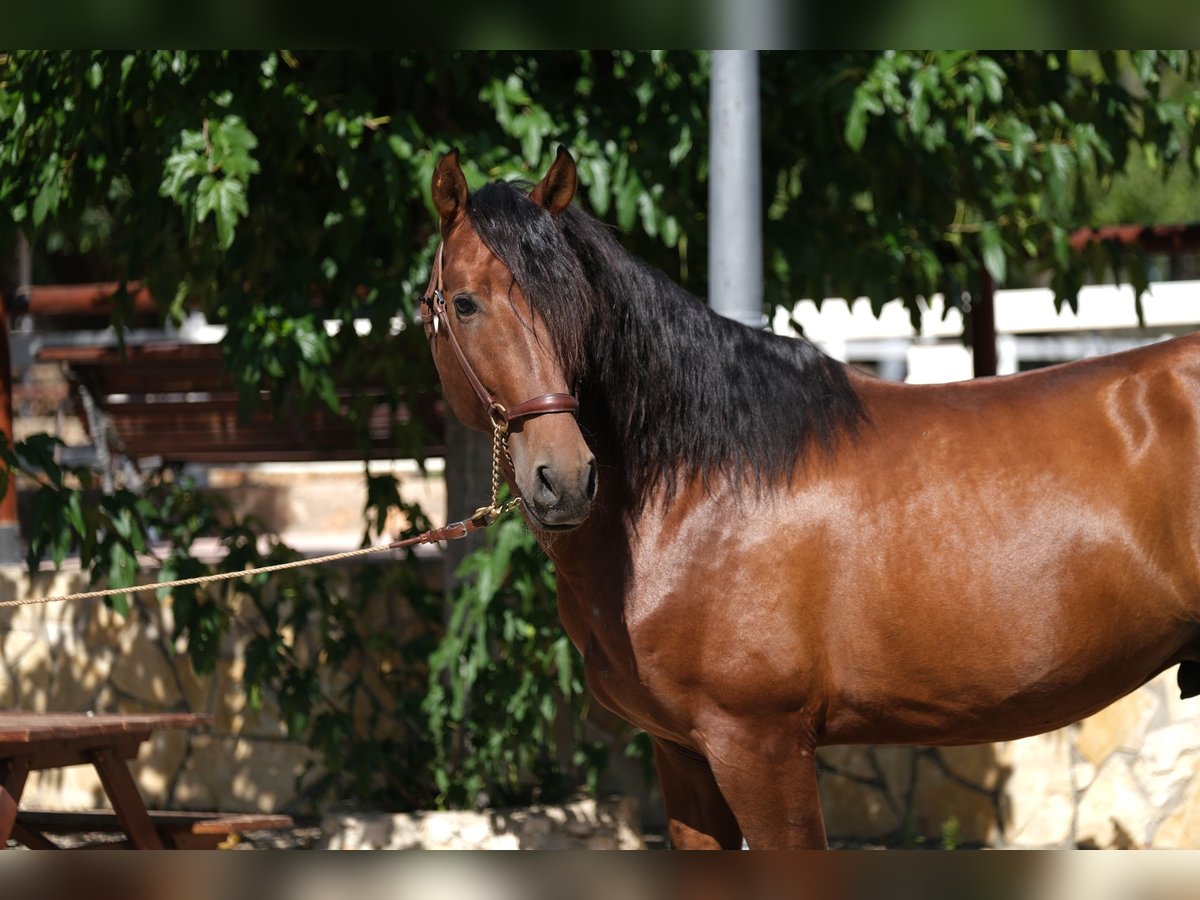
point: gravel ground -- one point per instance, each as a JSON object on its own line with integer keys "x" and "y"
{"x": 307, "y": 836}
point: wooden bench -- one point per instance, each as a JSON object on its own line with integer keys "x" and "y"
{"x": 177, "y": 830}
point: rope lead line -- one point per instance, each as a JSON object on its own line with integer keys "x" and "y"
{"x": 200, "y": 579}
{"x": 482, "y": 518}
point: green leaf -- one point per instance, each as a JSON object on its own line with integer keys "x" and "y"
{"x": 562, "y": 663}
{"x": 596, "y": 177}
{"x": 991, "y": 245}
{"x": 670, "y": 231}
{"x": 225, "y": 198}
{"x": 627, "y": 202}
{"x": 856, "y": 125}
{"x": 993, "y": 78}
{"x": 683, "y": 146}
{"x": 46, "y": 201}
{"x": 180, "y": 168}
{"x": 74, "y": 512}
{"x": 400, "y": 147}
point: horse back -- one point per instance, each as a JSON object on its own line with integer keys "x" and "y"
{"x": 1118, "y": 412}
{"x": 1006, "y": 538}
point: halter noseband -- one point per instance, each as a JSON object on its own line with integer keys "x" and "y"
{"x": 434, "y": 315}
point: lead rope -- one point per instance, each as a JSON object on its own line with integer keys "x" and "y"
{"x": 481, "y": 518}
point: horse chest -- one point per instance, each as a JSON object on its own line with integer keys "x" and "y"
{"x": 623, "y": 674}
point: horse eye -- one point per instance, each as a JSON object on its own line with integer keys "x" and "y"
{"x": 465, "y": 306}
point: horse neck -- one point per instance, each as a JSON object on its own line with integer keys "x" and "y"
{"x": 682, "y": 394}
{"x": 637, "y": 387}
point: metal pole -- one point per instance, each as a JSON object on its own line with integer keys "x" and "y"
{"x": 735, "y": 275}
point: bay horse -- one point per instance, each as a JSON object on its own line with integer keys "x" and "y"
{"x": 761, "y": 550}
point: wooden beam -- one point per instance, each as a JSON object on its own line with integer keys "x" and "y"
{"x": 13, "y": 773}
{"x": 1168, "y": 239}
{"x": 126, "y": 800}
{"x": 83, "y": 299}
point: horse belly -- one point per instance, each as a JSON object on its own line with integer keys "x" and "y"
{"x": 1026, "y": 586}
{"x": 987, "y": 699}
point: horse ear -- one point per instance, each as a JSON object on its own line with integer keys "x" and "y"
{"x": 449, "y": 189}
{"x": 558, "y": 187}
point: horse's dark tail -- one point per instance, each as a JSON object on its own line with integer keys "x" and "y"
{"x": 1189, "y": 678}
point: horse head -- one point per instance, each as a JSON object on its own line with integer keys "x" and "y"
{"x": 498, "y": 369}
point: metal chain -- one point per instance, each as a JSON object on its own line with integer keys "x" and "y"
{"x": 494, "y": 511}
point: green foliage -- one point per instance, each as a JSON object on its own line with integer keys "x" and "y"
{"x": 913, "y": 172}
{"x": 339, "y": 656}
{"x": 107, "y": 531}
{"x": 951, "y": 834}
{"x": 210, "y": 172}
{"x": 1148, "y": 192}
{"x": 503, "y": 680}
{"x": 284, "y": 194}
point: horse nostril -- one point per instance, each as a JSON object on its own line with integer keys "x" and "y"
{"x": 547, "y": 490}
{"x": 545, "y": 485}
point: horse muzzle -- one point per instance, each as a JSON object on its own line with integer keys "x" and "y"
{"x": 557, "y": 497}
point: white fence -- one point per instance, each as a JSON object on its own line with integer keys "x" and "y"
{"x": 1029, "y": 330}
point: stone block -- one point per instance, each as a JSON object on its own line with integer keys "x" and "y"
{"x": 239, "y": 775}
{"x": 158, "y": 762}
{"x": 74, "y": 787}
{"x": 937, "y": 800}
{"x": 1114, "y": 814}
{"x": 856, "y": 810}
{"x": 195, "y": 690}
{"x": 1168, "y": 759}
{"x": 1180, "y": 830}
{"x": 896, "y": 765}
{"x": 1037, "y": 801}
{"x": 1119, "y": 726}
{"x": 978, "y": 764}
{"x": 143, "y": 673}
{"x": 1175, "y": 708}
{"x": 854, "y": 761}
{"x": 78, "y": 681}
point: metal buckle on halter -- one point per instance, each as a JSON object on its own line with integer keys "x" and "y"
{"x": 432, "y": 302}
{"x": 499, "y": 416}
{"x": 485, "y": 515}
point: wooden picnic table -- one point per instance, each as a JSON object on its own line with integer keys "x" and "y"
{"x": 34, "y": 741}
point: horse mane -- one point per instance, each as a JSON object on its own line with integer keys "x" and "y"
{"x": 687, "y": 392}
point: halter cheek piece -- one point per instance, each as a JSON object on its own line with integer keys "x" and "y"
{"x": 435, "y": 317}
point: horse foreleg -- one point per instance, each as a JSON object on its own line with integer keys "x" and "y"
{"x": 772, "y": 788}
{"x": 698, "y": 818}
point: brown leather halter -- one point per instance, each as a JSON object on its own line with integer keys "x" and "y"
{"x": 434, "y": 315}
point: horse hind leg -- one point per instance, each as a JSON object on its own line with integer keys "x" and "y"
{"x": 769, "y": 776}
{"x": 698, "y": 818}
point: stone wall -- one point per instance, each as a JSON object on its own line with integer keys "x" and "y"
{"x": 83, "y": 657}
{"x": 610, "y": 824}
{"x": 1123, "y": 778}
